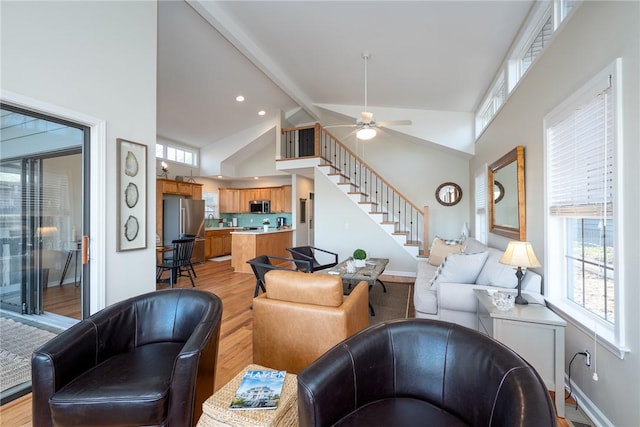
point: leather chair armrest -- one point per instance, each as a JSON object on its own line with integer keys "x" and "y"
{"x": 59, "y": 361}
{"x": 201, "y": 349}
{"x": 327, "y": 389}
{"x": 356, "y": 306}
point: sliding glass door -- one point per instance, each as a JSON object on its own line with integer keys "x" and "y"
{"x": 42, "y": 214}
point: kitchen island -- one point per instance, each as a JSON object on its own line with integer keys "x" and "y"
{"x": 248, "y": 244}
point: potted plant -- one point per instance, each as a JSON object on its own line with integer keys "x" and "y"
{"x": 359, "y": 257}
{"x": 265, "y": 224}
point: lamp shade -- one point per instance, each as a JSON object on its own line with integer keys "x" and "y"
{"x": 520, "y": 254}
{"x": 366, "y": 133}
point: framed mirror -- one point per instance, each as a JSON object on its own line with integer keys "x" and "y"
{"x": 498, "y": 191}
{"x": 448, "y": 194}
{"x": 507, "y": 201}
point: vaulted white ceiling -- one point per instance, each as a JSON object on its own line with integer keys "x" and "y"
{"x": 429, "y": 59}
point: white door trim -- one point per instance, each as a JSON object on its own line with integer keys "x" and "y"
{"x": 98, "y": 187}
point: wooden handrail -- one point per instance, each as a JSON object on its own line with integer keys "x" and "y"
{"x": 368, "y": 167}
{"x": 385, "y": 198}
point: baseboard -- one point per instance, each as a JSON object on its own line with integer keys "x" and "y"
{"x": 587, "y": 406}
{"x": 398, "y": 276}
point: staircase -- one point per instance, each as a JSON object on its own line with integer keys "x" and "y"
{"x": 393, "y": 212}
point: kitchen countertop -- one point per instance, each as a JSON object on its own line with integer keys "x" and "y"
{"x": 261, "y": 231}
{"x": 222, "y": 228}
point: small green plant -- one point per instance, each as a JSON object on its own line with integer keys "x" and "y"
{"x": 359, "y": 254}
{"x": 266, "y": 221}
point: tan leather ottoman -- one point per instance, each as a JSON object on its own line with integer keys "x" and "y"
{"x": 216, "y": 412}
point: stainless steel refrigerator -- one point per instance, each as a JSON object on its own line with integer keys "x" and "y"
{"x": 180, "y": 217}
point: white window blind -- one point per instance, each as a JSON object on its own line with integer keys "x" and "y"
{"x": 481, "y": 204}
{"x": 581, "y": 161}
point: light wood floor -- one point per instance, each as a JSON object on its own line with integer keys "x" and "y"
{"x": 235, "y": 351}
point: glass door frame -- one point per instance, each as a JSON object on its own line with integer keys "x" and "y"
{"x": 32, "y": 289}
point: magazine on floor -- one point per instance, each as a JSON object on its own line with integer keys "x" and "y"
{"x": 259, "y": 389}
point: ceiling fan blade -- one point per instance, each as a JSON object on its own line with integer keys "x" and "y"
{"x": 394, "y": 123}
{"x": 340, "y": 126}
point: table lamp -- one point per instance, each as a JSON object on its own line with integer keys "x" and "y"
{"x": 521, "y": 255}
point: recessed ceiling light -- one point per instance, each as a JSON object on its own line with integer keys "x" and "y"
{"x": 262, "y": 113}
{"x": 239, "y": 98}
{"x": 255, "y": 177}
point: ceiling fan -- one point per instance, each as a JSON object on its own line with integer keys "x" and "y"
{"x": 366, "y": 124}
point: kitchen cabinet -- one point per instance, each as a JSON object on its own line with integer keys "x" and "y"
{"x": 249, "y": 194}
{"x": 281, "y": 199}
{"x": 236, "y": 200}
{"x": 276, "y": 200}
{"x": 187, "y": 189}
{"x": 249, "y": 244}
{"x": 208, "y": 249}
{"x": 286, "y": 198}
{"x": 218, "y": 242}
{"x": 229, "y": 199}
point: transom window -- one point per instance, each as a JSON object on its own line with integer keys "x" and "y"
{"x": 540, "y": 26}
{"x": 177, "y": 154}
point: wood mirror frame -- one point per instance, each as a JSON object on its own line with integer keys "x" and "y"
{"x": 498, "y": 223}
{"x": 451, "y": 189}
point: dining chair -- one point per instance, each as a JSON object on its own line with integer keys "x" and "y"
{"x": 190, "y": 236}
{"x": 179, "y": 263}
{"x": 312, "y": 254}
{"x": 262, "y": 264}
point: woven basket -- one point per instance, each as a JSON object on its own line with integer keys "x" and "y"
{"x": 216, "y": 412}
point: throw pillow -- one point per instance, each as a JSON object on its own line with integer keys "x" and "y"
{"x": 439, "y": 250}
{"x": 473, "y": 246}
{"x": 459, "y": 268}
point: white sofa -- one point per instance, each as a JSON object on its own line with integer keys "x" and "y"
{"x": 445, "y": 292}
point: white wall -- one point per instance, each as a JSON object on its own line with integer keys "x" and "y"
{"x": 97, "y": 59}
{"x": 593, "y": 38}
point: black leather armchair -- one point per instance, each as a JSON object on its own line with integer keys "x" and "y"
{"x": 148, "y": 360}
{"x": 420, "y": 371}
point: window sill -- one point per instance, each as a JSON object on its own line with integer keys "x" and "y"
{"x": 605, "y": 334}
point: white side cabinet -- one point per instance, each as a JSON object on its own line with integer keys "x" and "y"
{"x": 534, "y": 332}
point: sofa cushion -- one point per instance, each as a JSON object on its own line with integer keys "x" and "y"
{"x": 400, "y": 411}
{"x": 496, "y": 274}
{"x": 424, "y": 299}
{"x": 135, "y": 389}
{"x": 459, "y": 268}
{"x": 440, "y": 249}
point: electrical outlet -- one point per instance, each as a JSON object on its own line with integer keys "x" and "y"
{"x": 587, "y": 358}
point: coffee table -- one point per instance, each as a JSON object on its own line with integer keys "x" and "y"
{"x": 370, "y": 273}
{"x": 216, "y": 412}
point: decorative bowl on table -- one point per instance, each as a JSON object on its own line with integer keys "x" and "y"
{"x": 503, "y": 301}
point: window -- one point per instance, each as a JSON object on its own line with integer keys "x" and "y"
{"x": 536, "y": 33}
{"x": 177, "y": 154}
{"x": 581, "y": 191}
{"x": 494, "y": 101}
{"x": 535, "y": 48}
{"x": 481, "y": 204}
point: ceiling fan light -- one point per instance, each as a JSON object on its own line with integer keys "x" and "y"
{"x": 366, "y": 133}
{"x": 366, "y": 117}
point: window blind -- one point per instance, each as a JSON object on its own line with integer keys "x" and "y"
{"x": 581, "y": 161}
{"x": 481, "y": 204}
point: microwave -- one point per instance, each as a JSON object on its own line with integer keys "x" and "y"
{"x": 260, "y": 206}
